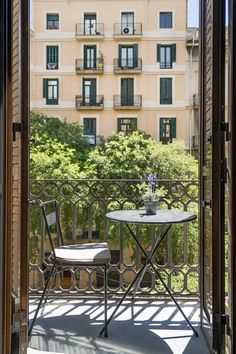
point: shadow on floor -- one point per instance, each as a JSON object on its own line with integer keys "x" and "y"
{"x": 139, "y": 328}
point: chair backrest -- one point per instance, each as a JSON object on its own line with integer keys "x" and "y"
{"x": 50, "y": 211}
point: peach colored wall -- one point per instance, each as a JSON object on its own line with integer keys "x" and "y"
{"x": 108, "y": 84}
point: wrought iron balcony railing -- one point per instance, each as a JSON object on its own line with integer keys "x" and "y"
{"x": 90, "y": 65}
{"x": 128, "y": 65}
{"x": 128, "y": 30}
{"x": 89, "y": 102}
{"x": 83, "y": 205}
{"x": 127, "y": 101}
{"x": 89, "y": 30}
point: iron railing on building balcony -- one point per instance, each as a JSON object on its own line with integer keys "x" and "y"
{"x": 127, "y": 101}
{"x": 82, "y": 101}
{"x": 128, "y": 30}
{"x": 128, "y": 65}
{"x": 91, "y": 29}
{"x": 91, "y": 65}
{"x": 83, "y": 205}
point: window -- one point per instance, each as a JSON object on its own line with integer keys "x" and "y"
{"x": 127, "y": 92}
{"x": 52, "y": 57}
{"x": 165, "y": 91}
{"x": 50, "y": 91}
{"x": 90, "y": 24}
{"x": 90, "y": 57}
{"x": 167, "y": 130}
{"x": 166, "y": 55}
{"x": 127, "y": 23}
{"x": 128, "y": 56}
{"x": 127, "y": 125}
{"x": 165, "y": 20}
{"x": 89, "y": 92}
{"x": 90, "y": 130}
{"x": 52, "y": 21}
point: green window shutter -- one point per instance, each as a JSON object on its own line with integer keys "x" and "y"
{"x": 161, "y": 129}
{"x": 162, "y": 90}
{"x": 165, "y": 91}
{"x": 119, "y": 51}
{"x": 52, "y": 57}
{"x": 169, "y": 90}
{"x": 119, "y": 121}
{"x": 173, "y": 52}
{"x": 44, "y": 88}
{"x": 48, "y": 56}
{"x": 173, "y": 128}
{"x": 135, "y": 51}
{"x": 57, "y": 90}
{"x": 158, "y": 52}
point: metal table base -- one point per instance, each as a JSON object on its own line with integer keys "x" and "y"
{"x": 148, "y": 263}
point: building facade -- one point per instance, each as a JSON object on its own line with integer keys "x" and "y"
{"x": 114, "y": 65}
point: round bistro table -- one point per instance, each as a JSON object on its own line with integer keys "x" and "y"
{"x": 166, "y": 218}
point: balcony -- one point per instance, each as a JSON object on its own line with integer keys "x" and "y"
{"x": 92, "y": 32}
{"x": 83, "y": 66}
{"x": 126, "y": 102}
{"x": 129, "y": 31}
{"x": 142, "y": 325}
{"x": 192, "y": 37}
{"x": 127, "y": 66}
{"x": 90, "y": 102}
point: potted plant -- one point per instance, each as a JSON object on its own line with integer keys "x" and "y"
{"x": 150, "y": 194}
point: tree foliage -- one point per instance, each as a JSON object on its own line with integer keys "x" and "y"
{"x": 135, "y": 155}
{"x": 45, "y": 129}
{"x": 53, "y": 160}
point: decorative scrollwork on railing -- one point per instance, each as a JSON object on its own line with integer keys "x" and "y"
{"x": 83, "y": 205}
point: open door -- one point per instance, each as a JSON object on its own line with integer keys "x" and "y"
{"x": 212, "y": 173}
{"x": 14, "y": 113}
{"x": 230, "y": 299}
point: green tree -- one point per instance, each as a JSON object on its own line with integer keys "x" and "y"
{"x": 53, "y": 160}
{"x": 44, "y": 128}
{"x": 136, "y": 154}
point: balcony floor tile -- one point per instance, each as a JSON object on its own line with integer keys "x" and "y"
{"x": 141, "y": 327}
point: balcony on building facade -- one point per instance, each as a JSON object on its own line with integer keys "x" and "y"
{"x": 87, "y": 66}
{"x": 89, "y": 102}
{"x": 127, "y": 66}
{"x": 192, "y": 37}
{"x": 76, "y": 295}
{"x": 129, "y": 31}
{"x": 94, "y": 31}
{"x": 127, "y": 102}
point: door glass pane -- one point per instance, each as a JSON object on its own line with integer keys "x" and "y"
{"x": 90, "y": 24}
{"x": 168, "y": 57}
{"x": 90, "y": 130}
{"x": 130, "y": 57}
{"x": 127, "y": 23}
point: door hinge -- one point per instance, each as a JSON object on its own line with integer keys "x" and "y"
{"x": 206, "y": 203}
{"x": 223, "y": 320}
{"x": 224, "y": 128}
{"x": 17, "y": 127}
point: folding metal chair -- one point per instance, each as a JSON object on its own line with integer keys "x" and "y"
{"x": 87, "y": 254}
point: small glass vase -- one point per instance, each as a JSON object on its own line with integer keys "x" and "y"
{"x": 151, "y": 206}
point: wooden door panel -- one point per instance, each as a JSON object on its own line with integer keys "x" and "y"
{"x": 212, "y": 174}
